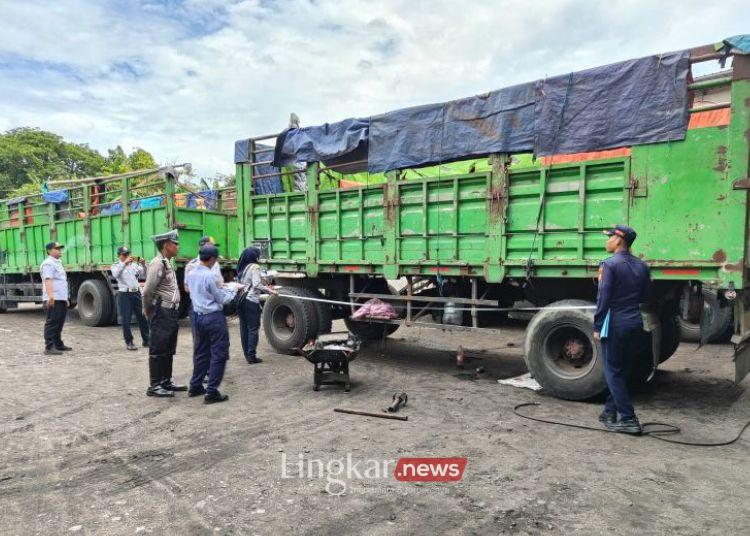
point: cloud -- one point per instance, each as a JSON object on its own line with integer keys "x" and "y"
{"x": 184, "y": 79}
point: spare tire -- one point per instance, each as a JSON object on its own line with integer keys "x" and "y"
{"x": 561, "y": 353}
{"x": 289, "y": 323}
{"x": 368, "y": 331}
{"x": 96, "y": 306}
{"x": 720, "y": 320}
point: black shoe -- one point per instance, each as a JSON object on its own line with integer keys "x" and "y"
{"x": 131, "y": 346}
{"x": 64, "y": 348}
{"x": 159, "y": 391}
{"x": 254, "y": 361}
{"x": 169, "y": 386}
{"x": 215, "y": 398}
{"x": 626, "y": 426}
{"x": 52, "y": 351}
{"x": 196, "y": 392}
{"x": 607, "y": 417}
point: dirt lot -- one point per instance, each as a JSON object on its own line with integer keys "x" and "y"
{"x": 84, "y": 451}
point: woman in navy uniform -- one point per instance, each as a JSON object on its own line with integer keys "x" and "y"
{"x": 624, "y": 283}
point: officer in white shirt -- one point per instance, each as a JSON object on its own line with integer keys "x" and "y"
{"x": 55, "y": 296}
{"x": 128, "y": 271}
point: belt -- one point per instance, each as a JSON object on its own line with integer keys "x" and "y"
{"x": 131, "y": 290}
{"x": 163, "y": 305}
{"x": 206, "y": 314}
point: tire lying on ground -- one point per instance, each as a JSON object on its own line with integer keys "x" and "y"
{"x": 720, "y": 320}
{"x": 561, "y": 353}
{"x": 289, "y": 323}
{"x": 96, "y": 305}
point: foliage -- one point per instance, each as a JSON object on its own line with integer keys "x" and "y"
{"x": 30, "y": 157}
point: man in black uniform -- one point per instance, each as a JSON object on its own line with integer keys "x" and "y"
{"x": 161, "y": 304}
{"x": 623, "y": 285}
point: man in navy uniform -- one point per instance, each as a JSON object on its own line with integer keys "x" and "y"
{"x": 55, "y": 299}
{"x": 127, "y": 272}
{"x": 161, "y": 305}
{"x": 624, "y": 283}
{"x": 211, "y": 344}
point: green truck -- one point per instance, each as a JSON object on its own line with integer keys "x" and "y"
{"x": 471, "y": 237}
{"x": 91, "y": 218}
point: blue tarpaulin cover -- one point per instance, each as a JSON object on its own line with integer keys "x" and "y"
{"x": 740, "y": 43}
{"x": 207, "y": 199}
{"x": 55, "y": 196}
{"x": 627, "y": 103}
{"x": 266, "y": 185}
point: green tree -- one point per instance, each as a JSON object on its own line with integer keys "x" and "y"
{"x": 30, "y": 155}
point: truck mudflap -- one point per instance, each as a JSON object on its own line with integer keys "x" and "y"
{"x": 742, "y": 358}
{"x": 741, "y": 341}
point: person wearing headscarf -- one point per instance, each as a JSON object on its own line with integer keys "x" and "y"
{"x": 248, "y": 274}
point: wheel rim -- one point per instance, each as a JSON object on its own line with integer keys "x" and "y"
{"x": 283, "y": 321}
{"x": 569, "y": 351}
{"x": 86, "y": 304}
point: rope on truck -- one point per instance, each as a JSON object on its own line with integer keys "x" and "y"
{"x": 496, "y": 309}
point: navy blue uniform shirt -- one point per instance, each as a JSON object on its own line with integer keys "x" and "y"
{"x": 624, "y": 283}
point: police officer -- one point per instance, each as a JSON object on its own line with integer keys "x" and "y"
{"x": 127, "y": 272}
{"x": 161, "y": 303}
{"x": 211, "y": 345}
{"x": 624, "y": 283}
{"x": 55, "y": 297}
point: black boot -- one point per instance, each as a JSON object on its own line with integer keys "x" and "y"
{"x": 155, "y": 369}
{"x": 167, "y": 376}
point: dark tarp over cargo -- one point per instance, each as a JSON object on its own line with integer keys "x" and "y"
{"x": 266, "y": 185}
{"x": 628, "y": 103}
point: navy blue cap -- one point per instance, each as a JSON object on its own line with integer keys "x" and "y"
{"x": 623, "y": 231}
{"x": 53, "y": 245}
{"x": 123, "y": 250}
{"x": 208, "y": 252}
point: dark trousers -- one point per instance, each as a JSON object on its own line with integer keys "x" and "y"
{"x": 249, "y": 324}
{"x": 211, "y": 350}
{"x": 128, "y": 304}
{"x": 163, "y": 329}
{"x": 53, "y": 323}
{"x": 618, "y": 349}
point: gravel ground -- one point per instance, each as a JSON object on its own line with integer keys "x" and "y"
{"x": 84, "y": 451}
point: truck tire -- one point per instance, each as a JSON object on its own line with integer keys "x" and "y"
{"x": 95, "y": 303}
{"x": 289, "y": 323}
{"x": 721, "y": 320}
{"x": 3, "y": 307}
{"x": 670, "y": 337}
{"x": 561, "y": 353}
{"x": 325, "y": 320}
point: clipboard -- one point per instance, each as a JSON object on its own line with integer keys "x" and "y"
{"x": 605, "y": 326}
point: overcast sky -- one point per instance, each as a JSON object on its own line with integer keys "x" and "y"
{"x": 185, "y": 79}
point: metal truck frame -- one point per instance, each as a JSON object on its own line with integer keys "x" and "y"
{"x": 100, "y": 214}
{"x": 503, "y": 231}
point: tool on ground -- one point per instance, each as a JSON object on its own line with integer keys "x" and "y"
{"x": 330, "y": 354}
{"x": 368, "y": 414}
{"x": 399, "y": 401}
